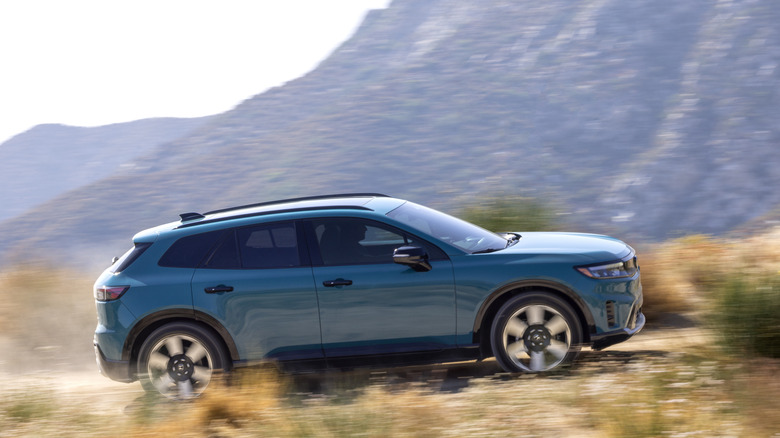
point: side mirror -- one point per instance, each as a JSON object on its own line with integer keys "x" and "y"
{"x": 412, "y": 256}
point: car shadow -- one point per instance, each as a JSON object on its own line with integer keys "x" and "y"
{"x": 442, "y": 378}
{"x": 455, "y": 377}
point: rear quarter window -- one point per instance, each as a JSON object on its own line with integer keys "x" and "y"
{"x": 189, "y": 251}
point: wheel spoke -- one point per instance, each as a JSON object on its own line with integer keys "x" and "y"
{"x": 196, "y": 352}
{"x": 558, "y": 349}
{"x": 158, "y": 361}
{"x": 185, "y": 388}
{"x": 516, "y": 327}
{"x": 537, "y": 361}
{"x": 174, "y": 345}
{"x": 201, "y": 374}
{"x": 535, "y": 315}
{"x": 514, "y": 348}
{"x": 556, "y": 325}
{"x": 163, "y": 384}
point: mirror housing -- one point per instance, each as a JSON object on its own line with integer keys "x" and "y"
{"x": 412, "y": 256}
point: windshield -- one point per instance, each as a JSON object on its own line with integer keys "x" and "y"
{"x": 458, "y": 233}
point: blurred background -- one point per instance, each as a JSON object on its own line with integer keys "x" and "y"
{"x": 653, "y": 121}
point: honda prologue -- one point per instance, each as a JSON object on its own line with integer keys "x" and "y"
{"x": 335, "y": 278}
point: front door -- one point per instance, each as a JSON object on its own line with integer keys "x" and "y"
{"x": 371, "y": 305}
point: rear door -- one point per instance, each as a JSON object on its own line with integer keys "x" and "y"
{"x": 258, "y": 284}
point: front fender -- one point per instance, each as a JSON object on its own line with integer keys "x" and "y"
{"x": 496, "y": 299}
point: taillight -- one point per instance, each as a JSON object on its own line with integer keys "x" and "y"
{"x": 110, "y": 293}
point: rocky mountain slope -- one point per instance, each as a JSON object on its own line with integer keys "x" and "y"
{"x": 644, "y": 119}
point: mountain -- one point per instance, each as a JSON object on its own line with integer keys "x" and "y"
{"x": 644, "y": 119}
{"x": 48, "y": 160}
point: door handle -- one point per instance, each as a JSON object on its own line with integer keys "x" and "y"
{"x": 337, "y": 282}
{"x": 218, "y": 289}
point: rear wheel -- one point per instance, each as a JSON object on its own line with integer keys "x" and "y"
{"x": 535, "y": 332}
{"x": 178, "y": 360}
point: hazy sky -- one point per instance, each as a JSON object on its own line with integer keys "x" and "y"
{"x": 96, "y": 62}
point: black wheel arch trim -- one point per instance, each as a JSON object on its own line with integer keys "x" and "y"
{"x": 580, "y": 306}
{"x": 150, "y": 322}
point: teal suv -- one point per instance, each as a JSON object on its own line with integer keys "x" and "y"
{"x": 332, "y": 280}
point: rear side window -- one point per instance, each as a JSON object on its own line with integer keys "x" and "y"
{"x": 257, "y": 247}
{"x": 189, "y": 251}
{"x": 269, "y": 246}
{"x": 129, "y": 257}
{"x": 226, "y": 254}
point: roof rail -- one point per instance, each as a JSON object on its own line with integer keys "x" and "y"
{"x": 306, "y": 198}
{"x": 265, "y": 213}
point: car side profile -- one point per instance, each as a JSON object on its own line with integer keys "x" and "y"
{"x": 354, "y": 278}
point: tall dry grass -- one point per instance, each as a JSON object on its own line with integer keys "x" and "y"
{"x": 685, "y": 275}
{"x": 47, "y": 317}
{"x": 641, "y": 395}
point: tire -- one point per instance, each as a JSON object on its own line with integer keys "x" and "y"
{"x": 178, "y": 360}
{"x": 535, "y": 332}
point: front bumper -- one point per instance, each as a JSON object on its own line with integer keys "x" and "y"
{"x": 118, "y": 370}
{"x": 604, "y": 340}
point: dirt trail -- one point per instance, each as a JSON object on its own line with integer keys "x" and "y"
{"x": 91, "y": 389}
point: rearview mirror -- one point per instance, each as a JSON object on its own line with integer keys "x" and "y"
{"x": 412, "y": 256}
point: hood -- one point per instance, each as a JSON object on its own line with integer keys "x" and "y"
{"x": 590, "y": 248}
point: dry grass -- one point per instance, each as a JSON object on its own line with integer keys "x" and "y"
{"x": 619, "y": 394}
{"x": 47, "y": 317}
{"x": 682, "y": 275}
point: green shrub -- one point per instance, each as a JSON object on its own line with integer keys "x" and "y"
{"x": 25, "y": 406}
{"x": 511, "y": 213}
{"x": 746, "y": 314}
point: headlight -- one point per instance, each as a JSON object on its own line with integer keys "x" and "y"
{"x": 625, "y": 268}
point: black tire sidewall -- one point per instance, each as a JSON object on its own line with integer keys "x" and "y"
{"x": 525, "y": 299}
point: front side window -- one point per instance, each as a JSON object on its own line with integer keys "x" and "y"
{"x": 351, "y": 241}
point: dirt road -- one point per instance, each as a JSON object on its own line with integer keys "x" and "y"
{"x": 90, "y": 388}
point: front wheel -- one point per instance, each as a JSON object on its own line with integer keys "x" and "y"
{"x": 535, "y": 332}
{"x": 177, "y": 360}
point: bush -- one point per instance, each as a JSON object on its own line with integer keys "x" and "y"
{"x": 746, "y": 314}
{"x": 511, "y": 213}
{"x": 678, "y": 275}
